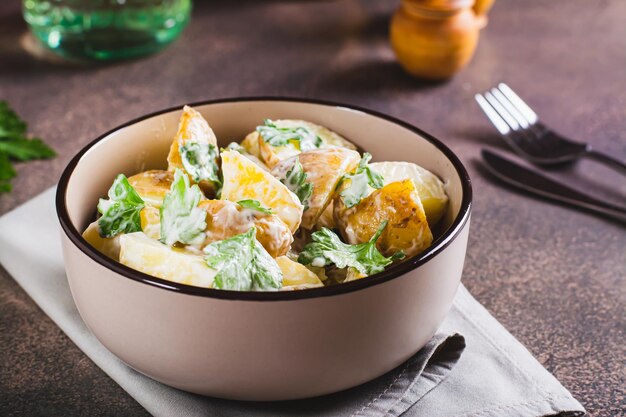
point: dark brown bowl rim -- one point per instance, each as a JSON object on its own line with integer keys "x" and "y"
{"x": 392, "y": 272}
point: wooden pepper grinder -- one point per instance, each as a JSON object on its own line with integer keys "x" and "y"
{"x": 434, "y": 39}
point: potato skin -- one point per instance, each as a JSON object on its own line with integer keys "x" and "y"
{"x": 399, "y": 204}
{"x": 324, "y": 169}
{"x": 226, "y": 219}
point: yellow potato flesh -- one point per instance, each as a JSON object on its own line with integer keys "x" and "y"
{"x": 243, "y": 179}
{"x": 152, "y": 186}
{"x": 296, "y": 276}
{"x": 109, "y": 246}
{"x": 150, "y": 256}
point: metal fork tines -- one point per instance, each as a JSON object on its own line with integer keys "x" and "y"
{"x": 519, "y": 125}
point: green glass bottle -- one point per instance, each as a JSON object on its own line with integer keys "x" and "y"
{"x": 106, "y": 29}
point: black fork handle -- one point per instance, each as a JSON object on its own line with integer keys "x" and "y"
{"x": 607, "y": 160}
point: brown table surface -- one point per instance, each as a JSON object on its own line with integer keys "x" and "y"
{"x": 555, "y": 277}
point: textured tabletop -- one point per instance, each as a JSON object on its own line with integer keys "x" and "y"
{"x": 556, "y": 278}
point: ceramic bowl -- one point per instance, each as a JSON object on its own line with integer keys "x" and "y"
{"x": 261, "y": 345}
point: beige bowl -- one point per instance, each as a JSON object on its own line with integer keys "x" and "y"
{"x": 253, "y": 345}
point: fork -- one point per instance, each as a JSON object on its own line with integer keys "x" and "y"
{"x": 532, "y": 140}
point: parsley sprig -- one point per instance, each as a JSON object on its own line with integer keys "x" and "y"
{"x": 284, "y": 136}
{"x": 242, "y": 264}
{"x": 181, "y": 218}
{"x": 121, "y": 212}
{"x": 16, "y": 146}
{"x": 362, "y": 177}
{"x": 326, "y": 248}
{"x": 295, "y": 180}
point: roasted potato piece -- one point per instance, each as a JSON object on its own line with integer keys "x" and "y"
{"x": 152, "y": 186}
{"x": 429, "y": 187}
{"x": 226, "y": 219}
{"x": 272, "y": 155}
{"x": 152, "y": 257}
{"x": 243, "y": 179}
{"x": 109, "y": 246}
{"x": 399, "y": 204}
{"x": 296, "y": 276}
{"x": 192, "y": 128}
{"x": 324, "y": 168}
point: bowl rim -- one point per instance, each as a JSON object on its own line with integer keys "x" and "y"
{"x": 388, "y": 274}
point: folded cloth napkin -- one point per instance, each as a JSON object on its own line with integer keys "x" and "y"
{"x": 471, "y": 367}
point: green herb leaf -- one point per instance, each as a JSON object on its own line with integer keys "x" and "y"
{"x": 6, "y": 169}
{"x": 299, "y": 137}
{"x": 243, "y": 264}
{"x": 326, "y": 248}
{"x": 24, "y": 149}
{"x": 11, "y": 126}
{"x": 295, "y": 180}
{"x": 254, "y": 205}
{"x": 14, "y": 145}
{"x": 181, "y": 218}
{"x": 120, "y": 213}
{"x": 6, "y": 173}
{"x": 200, "y": 162}
{"x": 360, "y": 181}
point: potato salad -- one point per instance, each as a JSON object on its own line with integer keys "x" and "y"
{"x": 292, "y": 206}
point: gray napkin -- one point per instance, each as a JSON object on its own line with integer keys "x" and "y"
{"x": 484, "y": 372}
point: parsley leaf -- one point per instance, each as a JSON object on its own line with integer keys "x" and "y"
{"x": 11, "y": 126}
{"x": 6, "y": 173}
{"x": 362, "y": 177}
{"x": 284, "y": 136}
{"x": 14, "y": 145}
{"x": 200, "y": 162}
{"x": 295, "y": 180}
{"x": 181, "y": 218}
{"x": 120, "y": 213}
{"x": 326, "y": 248}
{"x": 243, "y": 264}
{"x": 254, "y": 205}
{"x": 24, "y": 149}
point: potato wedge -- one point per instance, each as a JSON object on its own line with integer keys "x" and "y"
{"x": 226, "y": 219}
{"x": 150, "y": 256}
{"x": 192, "y": 128}
{"x": 324, "y": 168}
{"x": 429, "y": 187}
{"x": 152, "y": 186}
{"x": 243, "y": 179}
{"x": 272, "y": 155}
{"x": 399, "y": 204}
{"x": 109, "y": 246}
{"x": 296, "y": 276}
